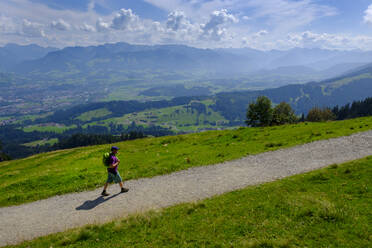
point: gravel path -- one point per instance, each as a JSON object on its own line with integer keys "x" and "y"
{"x": 56, "y": 214}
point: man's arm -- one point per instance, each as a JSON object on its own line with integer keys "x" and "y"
{"x": 114, "y": 165}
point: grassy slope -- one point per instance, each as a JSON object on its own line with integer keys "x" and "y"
{"x": 60, "y": 172}
{"x": 324, "y": 208}
{"x": 48, "y": 128}
{"x": 87, "y": 116}
{"x": 41, "y": 142}
{"x": 176, "y": 117}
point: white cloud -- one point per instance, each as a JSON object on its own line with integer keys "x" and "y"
{"x": 32, "y": 29}
{"x": 368, "y": 15}
{"x": 260, "y": 34}
{"x": 208, "y": 24}
{"x": 219, "y": 17}
{"x": 125, "y": 19}
{"x": 214, "y": 28}
{"x": 87, "y": 28}
{"x": 102, "y": 26}
{"x": 310, "y": 39}
{"x": 257, "y": 40}
{"x": 60, "y": 25}
{"x": 177, "y": 20}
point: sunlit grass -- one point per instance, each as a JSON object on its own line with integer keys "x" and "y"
{"x": 79, "y": 169}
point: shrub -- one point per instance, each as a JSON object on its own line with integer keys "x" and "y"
{"x": 283, "y": 114}
{"x": 317, "y": 115}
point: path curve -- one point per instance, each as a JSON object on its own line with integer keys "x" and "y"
{"x": 59, "y": 213}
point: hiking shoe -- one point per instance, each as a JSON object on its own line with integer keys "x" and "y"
{"x": 123, "y": 190}
{"x": 104, "y": 193}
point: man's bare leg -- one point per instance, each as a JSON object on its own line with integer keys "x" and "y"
{"x": 104, "y": 193}
{"x": 123, "y": 190}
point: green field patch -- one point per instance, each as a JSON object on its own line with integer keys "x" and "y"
{"x": 179, "y": 118}
{"x": 156, "y": 156}
{"x": 98, "y": 113}
{"x": 298, "y": 211}
{"x": 48, "y": 127}
{"x": 41, "y": 142}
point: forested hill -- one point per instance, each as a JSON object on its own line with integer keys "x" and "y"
{"x": 354, "y": 86}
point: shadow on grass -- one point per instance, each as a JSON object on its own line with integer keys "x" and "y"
{"x": 87, "y": 205}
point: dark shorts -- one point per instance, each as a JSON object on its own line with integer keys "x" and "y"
{"x": 112, "y": 178}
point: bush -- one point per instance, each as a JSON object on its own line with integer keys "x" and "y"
{"x": 318, "y": 115}
{"x": 283, "y": 114}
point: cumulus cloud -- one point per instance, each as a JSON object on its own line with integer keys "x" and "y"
{"x": 125, "y": 19}
{"x": 260, "y": 33}
{"x": 32, "y": 29}
{"x": 60, "y": 25}
{"x": 177, "y": 20}
{"x": 214, "y": 28}
{"x": 87, "y": 28}
{"x": 257, "y": 40}
{"x": 368, "y": 15}
{"x": 102, "y": 26}
{"x": 192, "y": 22}
{"x": 310, "y": 39}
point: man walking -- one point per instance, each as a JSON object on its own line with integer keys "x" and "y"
{"x": 113, "y": 173}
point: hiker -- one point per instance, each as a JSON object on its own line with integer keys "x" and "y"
{"x": 113, "y": 173}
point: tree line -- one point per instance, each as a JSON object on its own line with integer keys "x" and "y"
{"x": 13, "y": 138}
{"x": 261, "y": 112}
{"x": 3, "y": 155}
{"x": 354, "y": 110}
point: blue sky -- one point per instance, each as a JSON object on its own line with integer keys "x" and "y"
{"x": 259, "y": 24}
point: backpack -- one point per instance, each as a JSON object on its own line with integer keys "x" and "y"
{"x": 106, "y": 159}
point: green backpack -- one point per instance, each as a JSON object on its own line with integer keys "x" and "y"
{"x": 106, "y": 159}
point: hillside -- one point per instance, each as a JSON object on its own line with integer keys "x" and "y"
{"x": 356, "y": 85}
{"x": 80, "y": 169}
{"x": 13, "y": 54}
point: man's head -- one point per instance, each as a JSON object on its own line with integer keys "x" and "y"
{"x": 114, "y": 149}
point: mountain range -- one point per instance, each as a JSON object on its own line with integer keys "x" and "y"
{"x": 121, "y": 56}
{"x": 11, "y": 55}
{"x": 47, "y": 79}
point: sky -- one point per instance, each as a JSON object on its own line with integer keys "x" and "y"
{"x": 257, "y": 24}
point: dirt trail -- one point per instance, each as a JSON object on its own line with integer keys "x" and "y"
{"x": 59, "y": 213}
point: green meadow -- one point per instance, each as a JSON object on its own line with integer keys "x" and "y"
{"x": 179, "y": 118}
{"x": 48, "y": 128}
{"x": 330, "y": 207}
{"x": 41, "y": 142}
{"x": 87, "y": 116}
{"x": 80, "y": 169}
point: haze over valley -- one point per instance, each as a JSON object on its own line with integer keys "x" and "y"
{"x": 37, "y": 80}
